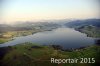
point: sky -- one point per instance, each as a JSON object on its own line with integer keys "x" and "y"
{"x": 32, "y": 10}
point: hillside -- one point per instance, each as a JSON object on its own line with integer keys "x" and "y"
{"x": 28, "y": 54}
{"x": 8, "y": 32}
{"x": 90, "y": 26}
{"x": 76, "y": 23}
{"x": 91, "y": 31}
{"x": 28, "y": 26}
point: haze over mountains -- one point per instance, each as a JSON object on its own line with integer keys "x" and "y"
{"x": 45, "y": 24}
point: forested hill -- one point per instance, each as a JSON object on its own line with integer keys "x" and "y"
{"x": 76, "y": 23}
{"x": 90, "y": 26}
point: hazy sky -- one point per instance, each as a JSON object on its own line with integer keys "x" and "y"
{"x": 31, "y": 10}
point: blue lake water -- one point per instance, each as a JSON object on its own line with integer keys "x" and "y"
{"x": 65, "y": 37}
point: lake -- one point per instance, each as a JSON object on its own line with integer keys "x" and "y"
{"x": 65, "y": 37}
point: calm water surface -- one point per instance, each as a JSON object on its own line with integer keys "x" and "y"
{"x": 66, "y": 37}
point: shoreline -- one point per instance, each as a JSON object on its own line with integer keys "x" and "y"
{"x": 37, "y": 31}
{"x": 49, "y": 30}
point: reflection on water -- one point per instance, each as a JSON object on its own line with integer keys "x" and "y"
{"x": 66, "y": 37}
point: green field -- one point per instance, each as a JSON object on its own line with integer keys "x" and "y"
{"x": 28, "y": 54}
{"x": 3, "y": 40}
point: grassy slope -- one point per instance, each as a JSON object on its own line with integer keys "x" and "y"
{"x": 91, "y": 31}
{"x": 30, "y": 54}
{"x": 3, "y": 40}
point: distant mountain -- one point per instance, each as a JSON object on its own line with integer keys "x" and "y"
{"x": 75, "y": 23}
{"x": 28, "y": 26}
{"x": 91, "y": 27}
{"x": 4, "y": 25}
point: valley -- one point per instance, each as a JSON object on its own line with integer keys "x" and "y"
{"x": 35, "y": 44}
